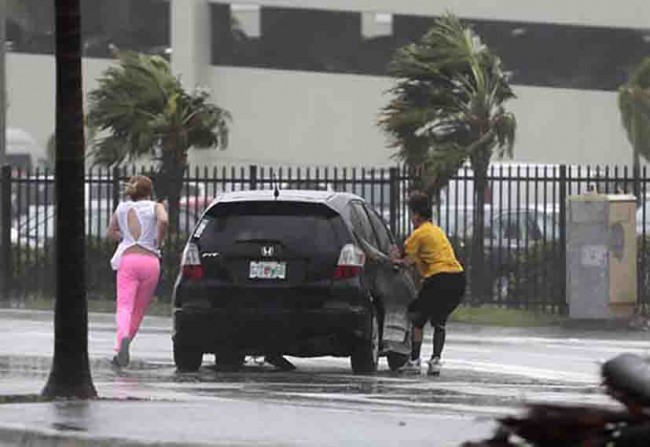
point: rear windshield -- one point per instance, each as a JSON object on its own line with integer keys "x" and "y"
{"x": 308, "y": 226}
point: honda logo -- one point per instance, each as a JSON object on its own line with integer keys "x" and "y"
{"x": 268, "y": 251}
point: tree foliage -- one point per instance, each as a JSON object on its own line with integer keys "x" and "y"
{"x": 447, "y": 106}
{"x": 140, "y": 109}
{"x": 634, "y": 105}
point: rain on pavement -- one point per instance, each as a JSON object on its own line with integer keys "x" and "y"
{"x": 487, "y": 371}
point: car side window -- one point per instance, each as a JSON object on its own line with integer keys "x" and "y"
{"x": 361, "y": 223}
{"x": 384, "y": 238}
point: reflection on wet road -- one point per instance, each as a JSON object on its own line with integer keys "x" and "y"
{"x": 327, "y": 383}
{"x": 487, "y": 371}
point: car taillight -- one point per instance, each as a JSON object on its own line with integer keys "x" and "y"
{"x": 351, "y": 262}
{"x": 191, "y": 262}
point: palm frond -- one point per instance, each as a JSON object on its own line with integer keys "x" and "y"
{"x": 449, "y": 98}
{"x": 634, "y": 106}
{"x": 140, "y": 105}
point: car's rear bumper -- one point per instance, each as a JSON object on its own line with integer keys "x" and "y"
{"x": 300, "y": 332}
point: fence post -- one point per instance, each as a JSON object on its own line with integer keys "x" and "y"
{"x": 562, "y": 218}
{"x": 252, "y": 177}
{"x": 5, "y": 232}
{"x": 394, "y": 198}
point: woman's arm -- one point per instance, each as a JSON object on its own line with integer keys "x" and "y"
{"x": 113, "y": 231}
{"x": 162, "y": 223}
{"x": 406, "y": 257}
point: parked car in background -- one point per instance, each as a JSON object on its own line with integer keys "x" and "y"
{"x": 35, "y": 228}
{"x": 300, "y": 273}
{"x": 507, "y": 234}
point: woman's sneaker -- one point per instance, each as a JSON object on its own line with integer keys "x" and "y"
{"x": 412, "y": 367}
{"x": 122, "y": 357}
{"x": 434, "y": 366}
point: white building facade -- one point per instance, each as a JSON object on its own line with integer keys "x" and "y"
{"x": 305, "y": 79}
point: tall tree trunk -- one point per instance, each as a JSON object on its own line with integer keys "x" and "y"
{"x": 70, "y": 375}
{"x": 171, "y": 179}
{"x": 480, "y": 165}
{"x": 169, "y": 184}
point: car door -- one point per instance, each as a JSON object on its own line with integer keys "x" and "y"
{"x": 368, "y": 242}
{"x": 393, "y": 286}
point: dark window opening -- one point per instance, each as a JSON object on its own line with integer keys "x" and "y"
{"x": 537, "y": 54}
{"x": 142, "y": 25}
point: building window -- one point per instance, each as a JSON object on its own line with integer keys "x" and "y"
{"x": 313, "y": 40}
{"x": 140, "y": 25}
{"x": 551, "y": 55}
{"x": 545, "y": 55}
{"x": 289, "y": 38}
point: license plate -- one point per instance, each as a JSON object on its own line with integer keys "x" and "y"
{"x": 267, "y": 270}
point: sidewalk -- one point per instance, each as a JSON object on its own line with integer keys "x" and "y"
{"x": 219, "y": 423}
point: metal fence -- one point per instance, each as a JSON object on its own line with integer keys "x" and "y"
{"x": 521, "y": 257}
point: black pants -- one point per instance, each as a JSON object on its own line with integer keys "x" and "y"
{"x": 439, "y": 296}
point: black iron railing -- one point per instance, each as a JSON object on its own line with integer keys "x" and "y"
{"x": 522, "y": 256}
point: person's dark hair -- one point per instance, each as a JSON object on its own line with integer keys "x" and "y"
{"x": 139, "y": 187}
{"x": 419, "y": 203}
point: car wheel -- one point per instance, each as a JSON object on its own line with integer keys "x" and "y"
{"x": 228, "y": 361}
{"x": 187, "y": 360}
{"x": 396, "y": 360}
{"x": 365, "y": 354}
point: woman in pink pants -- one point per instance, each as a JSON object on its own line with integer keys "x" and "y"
{"x": 139, "y": 225}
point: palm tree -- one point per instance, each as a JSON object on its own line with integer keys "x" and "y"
{"x": 141, "y": 109}
{"x": 70, "y": 375}
{"x": 448, "y": 108}
{"x": 634, "y": 105}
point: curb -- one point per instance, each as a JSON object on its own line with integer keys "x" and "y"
{"x": 13, "y": 435}
{"x": 21, "y": 436}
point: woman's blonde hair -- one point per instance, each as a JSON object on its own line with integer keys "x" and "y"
{"x": 138, "y": 187}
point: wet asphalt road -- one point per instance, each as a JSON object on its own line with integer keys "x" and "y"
{"x": 487, "y": 372}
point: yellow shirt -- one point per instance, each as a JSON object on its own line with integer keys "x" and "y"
{"x": 429, "y": 247}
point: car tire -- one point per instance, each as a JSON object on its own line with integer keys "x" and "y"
{"x": 228, "y": 361}
{"x": 365, "y": 353}
{"x": 396, "y": 360}
{"x": 187, "y": 360}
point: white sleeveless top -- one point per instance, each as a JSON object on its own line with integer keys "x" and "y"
{"x": 146, "y": 212}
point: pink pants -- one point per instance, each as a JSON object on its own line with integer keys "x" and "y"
{"x": 137, "y": 279}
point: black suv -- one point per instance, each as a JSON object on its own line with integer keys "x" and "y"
{"x": 300, "y": 273}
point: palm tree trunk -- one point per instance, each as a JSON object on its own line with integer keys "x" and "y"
{"x": 478, "y": 281}
{"x": 172, "y": 172}
{"x": 70, "y": 374}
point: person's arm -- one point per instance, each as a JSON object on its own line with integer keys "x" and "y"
{"x": 162, "y": 222}
{"x": 411, "y": 247}
{"x": 113, "y": 231}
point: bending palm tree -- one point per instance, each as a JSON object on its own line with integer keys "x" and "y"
{"x": 448, "y": 107}
{"x": 141, "y": 109}
{"x": 634, "y": 104}
{"x": 70, "y": 374}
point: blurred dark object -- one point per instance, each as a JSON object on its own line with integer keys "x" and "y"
{"x": 626, "y": 378}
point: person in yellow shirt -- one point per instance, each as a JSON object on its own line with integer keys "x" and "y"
{"x": 443, "y": 281}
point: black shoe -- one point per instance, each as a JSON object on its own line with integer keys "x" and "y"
{"x": 122, "y": 357}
